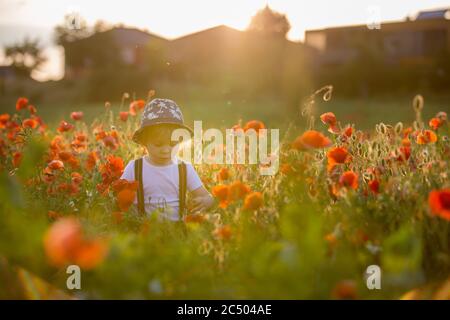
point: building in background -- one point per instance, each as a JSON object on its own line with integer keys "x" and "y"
{"x": 415, "y": 41}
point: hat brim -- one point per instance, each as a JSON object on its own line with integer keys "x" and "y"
{"x": 137, "y": 136}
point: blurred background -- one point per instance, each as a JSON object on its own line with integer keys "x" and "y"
{"x": 225, "y": 60}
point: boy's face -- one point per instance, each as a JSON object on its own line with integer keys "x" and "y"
{"x": 159, "y": 144}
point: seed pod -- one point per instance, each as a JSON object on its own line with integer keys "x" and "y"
{"x": 327, "y": 94}
{"x": 418, "y": 103}
{"x": 399, "y": 128}
{"x": 379, "y": 153}
{"x": 441, "y": 116}
{"x": 377, "y": 128}
{"x": 367, "y": 177}
{"x": 383, "y": 128}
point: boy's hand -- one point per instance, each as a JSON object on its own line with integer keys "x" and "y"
{"x": 202, "y": 203}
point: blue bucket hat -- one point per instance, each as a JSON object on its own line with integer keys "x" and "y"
{"x": 160, "y": 111}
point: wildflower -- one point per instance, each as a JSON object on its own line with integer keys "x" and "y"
{"x": 91, "y": 254}
{"x": 237, "y": 191}
{"x": 404, "y": 153}
{"x": 32, "y": 109}
{"x": 224, "y": 174}
{"x": 77, "y": 178}
{"x": 221, "y": 193}
{"x": 30, "y": 123}
{"x": 253, "y": 201}
{"x": 79, "y": 144}
{"x": 110, "y": 142}
{"x": 255, "y": 125}
{"x": 348, "y": 132}
{"x": 442, "y": 116}
{"x": 439, "y": 202}
{"x": 223, "y": 233}
{"x": 76, "y": 115}
{"x": 55, "y": 165}
{"x": 65, "y": 243}
{"x": 311, "y": 139}
{"x": 286, "y": 169}
{"x": 62, "y": 240}
{"x": 426, "y": 136}
{"x": 125, "y": 199}
{"x": 331, "y": 239}
{"x": 345, "y": 289}
{"x": 123, "y": 115}
{"x": 4, "y": 118}
{"x": 21, "y": 103}
{"x": 374, "y": 186}
{"x": 65, "y": 126}
{"x": 17, "y": 159}
{"x": 91, "y": 160}
{"x": 349, "y": 179}
{"x": 329, "y": 119}
{"x": 136, "y": 106}
{"x": 337, "y": 155}
{"x": 435, "y": 123}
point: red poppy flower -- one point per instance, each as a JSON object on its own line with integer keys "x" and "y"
{"x": 55, "y": 165}
{"x": 224, "y": 174}
{"x": 65, "y": 126}
{"x": 329, "y": 119}
{"x": 223, "y": 233}
{"x": 439, "y": 202}
{"x": 21, "y": 103}
{"x": 125, "y": 199}
{"x": 337, "y": 155}
{"x": 255, "y": 125}
{"x": 435, "y": 123}
{"x": 349, "y": 179}
{"x": 32, "y": 109}
{"x": 426, "y": 136}
{"x": 311, "y": 139}
{"x": 253, "y": 201}
{"x": 404, "y": 153}
{"x": 123, "y": 115}
{"x": 237, "y": 190}
{"x": 374, "y": 186}
{"x": 221, "y": 193}
{"x": 30, "y": 123}
{"x": 76, "y": 115}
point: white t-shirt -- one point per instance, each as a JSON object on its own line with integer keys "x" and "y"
{"x": 161, "y": 186}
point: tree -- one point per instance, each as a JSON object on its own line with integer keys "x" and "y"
{"x": 270, "y": 22}
{"x": 73, "y": 28}
{"x": 25, "y": 57}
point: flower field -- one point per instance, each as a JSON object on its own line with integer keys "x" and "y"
{"x": 342, "y": 200}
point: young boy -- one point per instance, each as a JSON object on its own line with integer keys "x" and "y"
{"x": 161, "y": 175}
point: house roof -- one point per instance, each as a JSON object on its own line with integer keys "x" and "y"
{"x": 390, "y": 25}
{"x": 219, "y": 28}
{"x": 127, "y": 36}
{"x": 434, "y": 14}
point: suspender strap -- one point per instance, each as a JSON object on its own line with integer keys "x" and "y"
{"x": 140, "y": 193}
{"x": 182, "y": 188}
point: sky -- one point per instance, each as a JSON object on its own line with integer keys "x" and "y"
{"x": 175, "y": 18}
